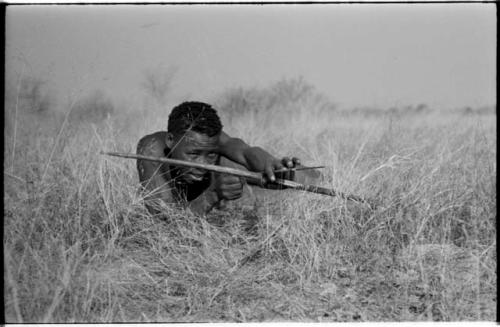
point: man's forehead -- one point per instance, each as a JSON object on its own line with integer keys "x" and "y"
{"x": 199, "y": 139}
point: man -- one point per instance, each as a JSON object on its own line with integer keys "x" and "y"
{"x": 195, "y": 134}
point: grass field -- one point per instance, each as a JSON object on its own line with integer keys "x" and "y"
{"x": 80, "y": 247}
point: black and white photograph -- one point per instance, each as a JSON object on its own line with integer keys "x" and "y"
{"x": 242, "y": 163}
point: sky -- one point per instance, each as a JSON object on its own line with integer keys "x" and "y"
{"x": 380, "y": 55}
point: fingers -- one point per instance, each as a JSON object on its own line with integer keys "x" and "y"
{"x": 290, "y": 163}
{"x": 269, "y": 172}
{"x": 287, "y": 162}
{"x": 230, "y": 187}
{"x": 231, "y": 195}
{"x": 230, "y": 182}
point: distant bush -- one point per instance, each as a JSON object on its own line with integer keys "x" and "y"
{"x": 95, "y": 107}
{"x": 484, "y": 110}
{"x": 34, "y": 96}
{"x": 419, "y": 109}
{"x": 157, "y": 83}
{"x": 286, "y": 95}
{"x": 27, "y": 100}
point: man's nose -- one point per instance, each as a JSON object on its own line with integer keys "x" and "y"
{"x": 202, "y": 160}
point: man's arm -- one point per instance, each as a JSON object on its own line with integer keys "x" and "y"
{"x": 253, "y": 158}
{"x": 205, "y": 202}
{"x": 154, "y": 176}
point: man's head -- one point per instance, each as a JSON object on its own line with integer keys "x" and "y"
{"x": 195, "y": 116}
{"x": 193, "y": 135}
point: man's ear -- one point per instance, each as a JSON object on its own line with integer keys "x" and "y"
{"x": 169, "y": 140}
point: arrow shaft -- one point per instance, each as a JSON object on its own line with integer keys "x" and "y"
{"x": 181, "y": 163}
{"x": 253, "y": 176}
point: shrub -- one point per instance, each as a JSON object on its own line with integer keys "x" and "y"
{"x": 34, "y": 95}
{"x": 286, "y": 95}
{"x": 157, "y": 83}
{"x": 95, "y": 107}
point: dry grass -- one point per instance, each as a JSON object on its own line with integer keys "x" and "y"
{"x": 80, "y": 247}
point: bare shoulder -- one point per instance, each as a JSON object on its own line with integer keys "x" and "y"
{"x": 152, "y": 144}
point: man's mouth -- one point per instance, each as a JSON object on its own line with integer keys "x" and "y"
{"x": 194, "y": 178}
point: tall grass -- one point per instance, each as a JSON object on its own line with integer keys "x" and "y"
{"x": 80, "y": 247}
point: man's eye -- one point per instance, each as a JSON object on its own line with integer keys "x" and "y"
{"x": 212, "y": 155}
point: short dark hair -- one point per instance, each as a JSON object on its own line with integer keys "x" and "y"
{"x": 195, "y": 116}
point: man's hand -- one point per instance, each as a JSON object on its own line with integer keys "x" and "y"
{"x": 223, "y": 187}
{"x": 227, "y": 187}
{"x": 255, "y": 158}
{"x": 259, "y": 160}
{"x": 270, "y": 173}
{"x": 285, "y": 163}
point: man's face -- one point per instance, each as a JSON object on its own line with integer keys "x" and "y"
{"x": 194, "y": 147}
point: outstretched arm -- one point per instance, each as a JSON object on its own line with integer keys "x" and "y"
{"x": 253, "y": 158}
